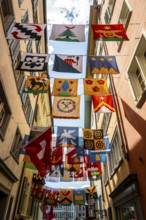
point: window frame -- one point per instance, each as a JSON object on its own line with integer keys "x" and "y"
{"x": 16, "y": 145}
{"x": 127, "y": 20}
{"x": 115, "y": 157}
{"x": 6, "y": 106}
{"x": 138, "y": 62}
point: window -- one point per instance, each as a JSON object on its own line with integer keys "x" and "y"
{"x": 109, "y": 11}
{"x": 7, "y": 14}
{"x": 5, "y": 113}
{"x": 105, "y": 173}
{"x": 17, "y": 142}
{"x": 29, "y": 46}
{"x": 116, "y": 154}
{"x": 20, "y": 2}
{"x": 124, "y": 19}
{"x": 23, "y": 195}
{"x": 14, "y": 46}
{"x": 25, "y": 18}
{"x": 137, "y": 73}
{"x": 105, "y": 122}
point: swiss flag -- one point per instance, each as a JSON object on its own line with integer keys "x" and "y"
{"x": 39, "y": 151}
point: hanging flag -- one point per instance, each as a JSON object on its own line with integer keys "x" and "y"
{"x": 67, "y": 136}
{"x": 66, "y": 177}
{"x": 72, "y": 167}
{"x": 65, "y": 87}
{"x": 57, "y": 156}
{"x": 37, "y": 178}
{"x": 79, "y": 196}
{"x": 96, "y": 86}
{"x": 54, "y": 175}
{"x": 103, "y": 65}
{"x": 93, "y": 139}
{"x": 38, "y": 192}
{"x": 103, "y": 103}
{"x": 26, "y": 31}
{"x": 68, "y": 33}
{"x": 47, "y": 211}
{"x": 51, "y": 197}
{"x": 93, "y": 169}
{"x": 39, "y": 151}
{"x": 68, "y": 63}
{"x": 94, "y": 157}
{"x": 66, "y": 196}
{"x": 80, "y": 151}
{"x": 33, "y": 62}
{"x": 71, "y": 152}
{"x": 80, "y": 175}
{"x": 64, "y": 107}
{"x": 36, "y": 84}
{"x": 109, "y": 32}
{"x": 91, "y": 194}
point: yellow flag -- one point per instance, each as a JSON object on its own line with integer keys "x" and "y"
{"x": 65, "y": 87}
{"x": 66, "y": 107}
{"x": 96, "y": 86}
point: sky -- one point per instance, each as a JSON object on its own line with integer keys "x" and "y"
{"x": 68, "y": 12}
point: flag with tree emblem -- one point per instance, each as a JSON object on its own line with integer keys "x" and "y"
{"x": 68, "y": 33}
{"x": 36, "y": 84}
{"x": 65, "y": 87}
{"x": 33, "y": 62}
{"x": 109, "y": 32}
{"x": 68, "y": 63}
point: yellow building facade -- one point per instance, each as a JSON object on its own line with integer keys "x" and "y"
{"x": 18, "y": 110}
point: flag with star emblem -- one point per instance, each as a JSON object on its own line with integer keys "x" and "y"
{"x": 26, "y": 31}
{"x": 95, "y": 86}
{"x": 33, "y": 62}
{"x": 103, "y": 65}
{"x": 91, "y": 194}
{"x": 65, "y": 87}
{"x": 93, "y": 139}
{"x": 109, "y": 32}
{"x": 66, "y": 107}
{"x": 68, "y": 33}
{"x": 103, "y": 103}
{"x": 36, "y": 84}
{"x": 68, "y": 63}
{"x": 67, "y": 136}
{"x": 79, "y": 196}
{"x": 39, "y": 151}
{"x": 66, "y": 196}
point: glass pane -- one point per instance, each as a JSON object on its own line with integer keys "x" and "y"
{"x": 128, "y": 212}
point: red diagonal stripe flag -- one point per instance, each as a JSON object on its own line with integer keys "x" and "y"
{"x": 39, "y": 151}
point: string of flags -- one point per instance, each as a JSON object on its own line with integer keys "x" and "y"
{"x": 73, "y": 158}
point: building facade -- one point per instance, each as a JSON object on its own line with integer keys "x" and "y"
{"x": 18, "y": 110}
{"x": 123, "y": 173}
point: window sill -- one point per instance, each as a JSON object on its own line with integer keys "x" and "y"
{"x": 141, "y": 100}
